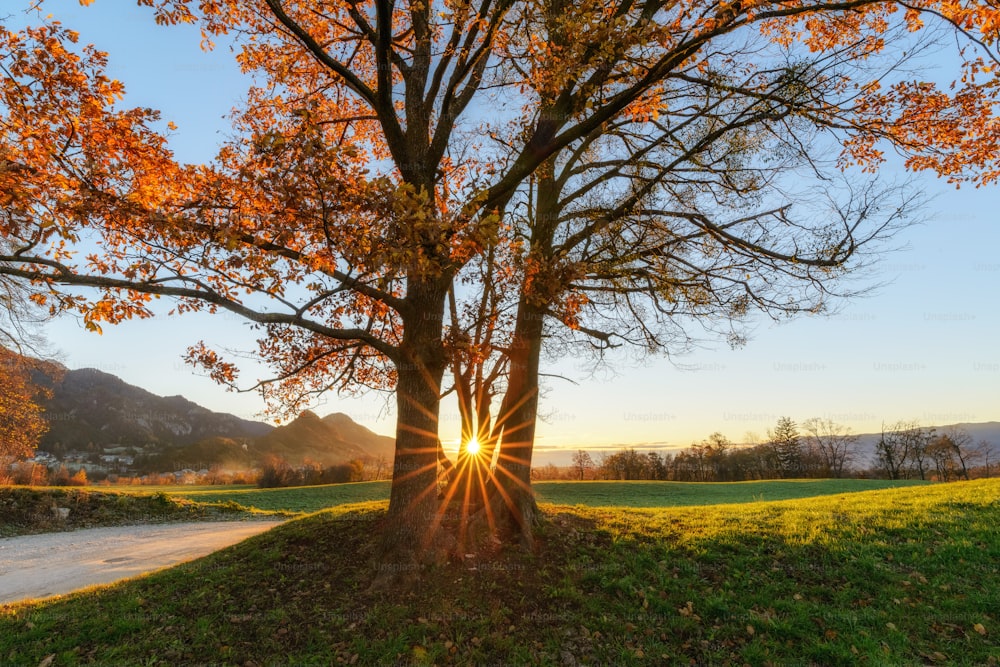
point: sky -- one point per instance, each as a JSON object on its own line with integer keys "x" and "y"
{"x": 921, "y": 347}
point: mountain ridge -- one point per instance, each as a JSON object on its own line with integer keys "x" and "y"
{"x": 89, "y": 407}
{"x": 90, "y": 411}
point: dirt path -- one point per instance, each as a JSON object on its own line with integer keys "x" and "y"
{"x": 37, "y": 566}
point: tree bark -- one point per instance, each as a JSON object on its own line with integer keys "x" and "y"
{"x": 407, "y": 531}
{"x": 519, "y": 409}
{"x": 518, "y": 417}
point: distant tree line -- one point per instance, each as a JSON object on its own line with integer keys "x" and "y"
{"x": 907, "y": 450}
{"x": 29, "y": 473}
{"x": 820, "y": 448}
{"x": 34, "y": 474}
{"x": 277, "y": 472}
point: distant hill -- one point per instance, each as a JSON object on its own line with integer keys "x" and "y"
{"x": 332, "y": 439}
{"x": 92, "y": 411}
{"x": 90, "y": 408}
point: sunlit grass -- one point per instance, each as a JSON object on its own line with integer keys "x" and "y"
{"x": 304, "y": 499}
{"x": 677, "y": 494}
{"x": 898, "y": 576}
{"x": 596, "y": 494}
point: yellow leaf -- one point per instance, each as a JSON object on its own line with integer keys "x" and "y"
{"x": 980, "y": 628}
{"x": 751, "y": 630}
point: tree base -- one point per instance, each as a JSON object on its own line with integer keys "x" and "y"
{"x": 460, "y": 529}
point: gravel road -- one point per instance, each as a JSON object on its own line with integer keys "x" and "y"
{"x": 37, "y": 566}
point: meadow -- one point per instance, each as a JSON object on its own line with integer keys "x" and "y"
{"x": 302, "y": 499}
{"x": 594, "y": 494}
{"x": 893, "y": 576}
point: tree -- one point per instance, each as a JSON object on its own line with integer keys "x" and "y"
{"x": 891, "y": 452}
{"x": 547, "y": 472}
{"x": 954, "y": 445}
{"x": 784, "y": 440}
{"x": 834, "y": 444}
{"x": 921, "y": 438}
{"x": 657, "y": 465}
{"x": 357, "y": 470}
{"x": 718, "y": 448}
{"x": 582, "y": 463}
{"x": 352, "y": 196}
{"x": 626, "y": 464}
{"x": 942, "y": 455}
{"x": 79, "y": 478}
{"x": 630, "y": 230}
{"x": 22, "y": 421}
{"x": 901, "y": 445}
{"x": 988, "y": 450}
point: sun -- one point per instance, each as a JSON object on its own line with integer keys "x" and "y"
{"x": 472, "y": 447}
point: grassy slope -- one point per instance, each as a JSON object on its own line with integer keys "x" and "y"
{"x": 596, "y": 494}
{"x": 295, "y": 499}
{"x": 26, "y": 510}
{"x": 900, "y": 576}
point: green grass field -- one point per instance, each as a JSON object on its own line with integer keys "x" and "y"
{"x": 681, "y": 494}
{"x": 595, "y": 494}
{"x": 890, "y": 577}
{"x": 306, "y": 499}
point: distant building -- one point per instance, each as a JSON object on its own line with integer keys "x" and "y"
{"x": 44, "y": 458}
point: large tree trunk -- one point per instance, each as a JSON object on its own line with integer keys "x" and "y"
{"x": 516, "y": 423}
{"x": 519, "y": 409}
{"x": 408, "y": 528}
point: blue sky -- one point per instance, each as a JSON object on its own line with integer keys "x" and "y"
{"x": 922, "y": 347}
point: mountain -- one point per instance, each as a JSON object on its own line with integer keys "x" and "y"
{"x": 332, "y": 439}
{"x": 90, "y": 409}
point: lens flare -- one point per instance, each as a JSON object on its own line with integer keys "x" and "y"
{"x": 472, "y": 447}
